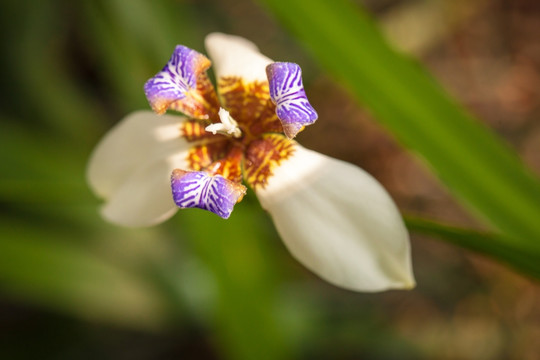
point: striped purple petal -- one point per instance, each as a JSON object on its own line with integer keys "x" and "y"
{"x": 176, "y": 78}
{"x": 198, "y": 189}
{"x": 287, "y": 92}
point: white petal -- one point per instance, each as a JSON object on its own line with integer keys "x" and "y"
{"x": 145, "y": 198}
{"x": 132, "y": 165}
{"x": 235, "y": 56}
{"x": 135, "y": 140}
{"x": 339, "y": 222}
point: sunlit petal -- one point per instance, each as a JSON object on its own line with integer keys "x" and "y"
{"x": 339, "y": 222}
{"x": 234, "y": 56}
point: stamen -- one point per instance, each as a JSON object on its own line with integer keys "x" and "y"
{"x": 227, "y": 126}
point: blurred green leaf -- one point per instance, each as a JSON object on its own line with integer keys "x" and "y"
{"x": 38, "y": 167}
{"x": 475, "y": 165}
{"x": 238, "y": 252}
{"x": 493, "y": 245}
{"x": 133, "y": 40}
{"x": 46, "y": 87}
{"x": 36, "y": 266}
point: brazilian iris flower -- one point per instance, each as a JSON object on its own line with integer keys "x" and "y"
{"x": 334, "y": 218}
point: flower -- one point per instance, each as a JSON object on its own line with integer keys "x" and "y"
{"x": 334, "y": 218}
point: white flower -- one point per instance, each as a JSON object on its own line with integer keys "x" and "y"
{"x": 334, "y": 218}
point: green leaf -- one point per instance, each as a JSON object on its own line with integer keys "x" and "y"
{"x": 132, "y": 41}
{"x": 45, "y": 87}
{"x": 475, "y": 165}
{"x": 37, "y": 267}
{"x": 238, "y": 252}
{"x": 493, "y": 245}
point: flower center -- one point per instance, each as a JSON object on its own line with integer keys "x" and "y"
{"x": 247, "y": 143}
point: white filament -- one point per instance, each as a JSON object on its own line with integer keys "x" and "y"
{"x": 227, "y": 126}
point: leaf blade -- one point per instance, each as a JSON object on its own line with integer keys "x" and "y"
{"x": 476, "y": 165}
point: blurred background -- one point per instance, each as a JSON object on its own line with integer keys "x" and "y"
{"x": 197, "y": 287}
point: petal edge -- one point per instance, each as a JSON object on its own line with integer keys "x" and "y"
{"x": 234, "y": 56}
{"x": 134, "y": 140}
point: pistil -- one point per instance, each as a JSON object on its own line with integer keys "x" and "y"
{"x": 228, "y": 126}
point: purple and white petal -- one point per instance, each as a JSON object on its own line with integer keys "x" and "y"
{"x": 287, "y": 92}
{"x": 234, "y": 56}
{"x": 339, "y": 222}
{"x": 198, "y": 189}
{"x": 176, "y": 78}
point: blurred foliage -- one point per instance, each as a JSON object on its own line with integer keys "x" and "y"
{"x": 72, "y": 69}
{"x": 473, "y": 162}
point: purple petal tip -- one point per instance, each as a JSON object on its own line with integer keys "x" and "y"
{"x": 287, "y": 92}
{"x": 176, "y": 78}
{"x": 198, "y": 189}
